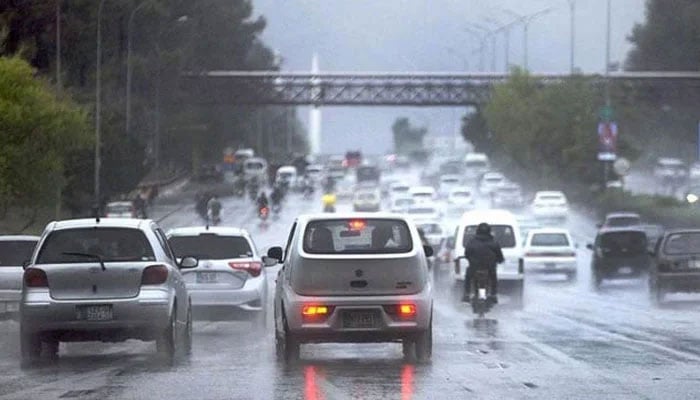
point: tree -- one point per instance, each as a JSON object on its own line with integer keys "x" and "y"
{"x": 39, "y": 131}
{"x": 407, "y": 138}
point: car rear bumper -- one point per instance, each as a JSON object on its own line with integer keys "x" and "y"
{"x": 9, "y": 301}
{"x": 550, "y": 212}
{"x": 680, "y": 282}
{"x": 550, "y": 265}
{"x": 148, "y": 312}
{"x": 386, "y": 328}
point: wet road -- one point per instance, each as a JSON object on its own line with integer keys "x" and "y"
{"x": 568, "y": 342}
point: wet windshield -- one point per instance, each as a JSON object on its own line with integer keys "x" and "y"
{"x": 615, "y": 243}
{"x": 502, "y": 234}
{"x": 683, "y": 243}
{"x": 549, "y": 239}
{"x": 623, "y": 221}
{"x": 211, "y": 247}
{"x": 80, "y": 244}
{"x": 362, "y": 236}
{"x": 14, "y": 253}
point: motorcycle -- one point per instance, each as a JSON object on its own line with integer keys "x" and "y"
{"x": 239, "y": 188}
{"x": 328, "y": 208}
{"x": 481, "y": 293}
{"x": 214, "y": 219}
{"x": 263, "y": 213}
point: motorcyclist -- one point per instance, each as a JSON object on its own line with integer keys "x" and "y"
{"x": 262, "y": 201}
{"x": 482, "y": 252}
{"x": 276, "y": 196}
{"x": 328, "y": 201}
{"x": 214, "y": 209}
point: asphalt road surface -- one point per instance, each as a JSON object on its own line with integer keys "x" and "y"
{"x": 568, "y": 342}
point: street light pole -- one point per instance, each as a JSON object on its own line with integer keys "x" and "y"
{"x": 572, "y": 8}
{"x": 129, "y": 68}
{"x": 481, "y": 38}
{"x": 607, "y": 55}
{"x": 59, "y": 84}
{"x": 98, "y": 109}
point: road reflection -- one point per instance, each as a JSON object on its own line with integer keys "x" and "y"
{"x": 407, "y": 382}
{"x": 311, "y": 389}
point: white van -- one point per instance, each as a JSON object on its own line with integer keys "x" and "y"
{"x": 476, "y": 165}
{"x": 255, "y": 168}
{"x": 286, "y": 174}
{"x": 506, "y": 230}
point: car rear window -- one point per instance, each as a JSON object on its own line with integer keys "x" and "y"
{"x": 623, "y": 221}
{"x": 421, "y": 211}
{"x": 476, "y": 164}
{"x": 254, "y": 165}
{"x": 83, "y": 245}
{"x": 549, "y": 239}
{"x": 404, "y": 202}
{"x": 357, "y": 236}
{"x": 366, "y": 196}
{"x": 503, "y": 234}
{"x": 461, "y": 194}
{"x": 431, "y": 229}
{"x": 627, "y": 242}
{"x": 118, "y": 208}
{"x": 683, "y": 243}
{"x": 211, "y": 246}
{"x": 14, "y": 253}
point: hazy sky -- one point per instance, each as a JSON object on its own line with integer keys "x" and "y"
{"x": 415, "y": 35}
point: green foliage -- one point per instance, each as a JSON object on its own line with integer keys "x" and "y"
{"x": 476, "y": 131}
{"x": 663, "y": 210}
{"x": 37, "y": 133}
{"x": 408, "y": 139}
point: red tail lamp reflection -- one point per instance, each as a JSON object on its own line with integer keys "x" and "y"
{"x": 407, "y": 382}
{"x": 311, "y": 389}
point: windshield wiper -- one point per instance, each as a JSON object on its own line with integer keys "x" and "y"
{"x": 87, "y": 255}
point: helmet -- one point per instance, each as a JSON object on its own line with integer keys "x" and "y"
{"x": 483, "y": 229}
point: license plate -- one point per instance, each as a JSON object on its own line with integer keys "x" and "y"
{"x": 94, "y": 313}
{"x": 12, "y": 307}
{"x": 206, "y": 277}
{"x": 624, "y": 270}
{"x": 359, "y": 319}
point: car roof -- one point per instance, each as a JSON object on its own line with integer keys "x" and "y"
{"x": 422, "y": 189}
{"x": 287, "y": 168}
{"x": 622, "y": 214}
{"x": 476, "y": 157}
{"x": 255, "y": 160}
{"x": 621, "y": 229}
{"x": 461, "y": 189}
{"x": 119, "y": 203}
{"x": 19, "y": 238}
{"x": 492, "y": 216}
{"x": 216, "y": 230}
{"x": 681, "y": 230}
{"x": 494, "y": 174}
{"x": 133, "y": 223}
{"x": 450, "y": 176}
{"x": 549, "y": 231}
{"x": 670, "y": 161}
{"x": 550, "y": 193}
{"x": 305, "y": 218}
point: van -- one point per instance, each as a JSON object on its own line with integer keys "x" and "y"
{"x": 476, "y": 165}
{"x": 506, "y": 230}
{"x": 255, "y": 168}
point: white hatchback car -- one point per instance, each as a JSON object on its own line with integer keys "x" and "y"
{"x": 550, "y": 251}
{"x": 423, "y": 194}
{"x": 550, "y": 205}
{"x": 353, "y": 278}
{"x": 230, "y": 282}
{"x": 460, "y": 200}
{"x": 490, "y": 182}
{"x": 107, "y": 280}
{"x": 424, "y": 213}
{"x": 15, "y": 251}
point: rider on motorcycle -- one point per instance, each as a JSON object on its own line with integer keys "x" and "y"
{"x": 262, "y": 201}
{"x": 328, "y": 201}
{"x": 482, "y": 252}
{"x": 276, "y": 196}
{"x": 214, "y": 209}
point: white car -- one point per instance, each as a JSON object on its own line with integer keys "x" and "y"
{"x": 255, "y": 169}
{"x": 433, "y": 233}
{"x": 400, "y": 205}
{"x": 423, "y": 194}
{"x": 399, "y": 190}
{"x": 509, "y": 195}
{"x": 344, "y": 188}
{"x": 448, "y": 183}
{"x": 550, "y": 205}
{"x": 230, "y": 281}
{"x": 424, "y": 213}
{"x": 367, "y": 199}
{"x": 491, "y": 181}
{"x": 694, "y": 172}
{"x": 476, "y": 164}
{"x": 315, "y": 172}
{"x": 120, "y": 209}
{"x": 670, "y": 168}
{"x": 15, "y": 251}
{"x": 550, "y": 251}
{"x": 459, "y": 200}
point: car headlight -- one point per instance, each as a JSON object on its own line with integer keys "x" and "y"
{"x": 692, "y": 198}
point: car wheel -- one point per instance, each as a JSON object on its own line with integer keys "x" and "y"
{"x": 51, "y": 348}
{"x": 596, "y": 280}
{"x": 165, "y": 343}
{"x": 286, "y": 346}
{"x": 424, "y": 344}
{"x": 187, "y": 337}
{"x": 408, "y": 348}
{"x": 30, "y": 348}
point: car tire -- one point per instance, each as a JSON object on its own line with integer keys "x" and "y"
{"x": 187, "y": 336}
{"x": 30, "y": 348}
{"x": 408, "y": 348}
{"x": 50, "y": 347}
{"x": 424, "y": 344}
{"x": 166, "y": 341}
{"x": 287, "y": 347}
{"x": 596, "y": 280}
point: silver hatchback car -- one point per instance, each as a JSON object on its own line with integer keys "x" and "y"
{"x": 15, "y": 251}
{"x": 355, "y": 277}
{"x": 230, "y": 282}
{"x": 108, "y": 280}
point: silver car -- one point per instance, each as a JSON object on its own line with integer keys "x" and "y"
{"x": 15, "y": 251}
{"x": 108, "y": 280}
{"x": 230, "y": 282}
{"x": 356, "y": 277}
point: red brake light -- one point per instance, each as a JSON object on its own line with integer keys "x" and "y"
{"x": 315, "y": 312}
{"x": 253, "y": 268}
{"x": 407, "y": 310}
{"x": 357, "y": 224}
{"x": 154, "y": 275}
{"x": 35, "y": 278}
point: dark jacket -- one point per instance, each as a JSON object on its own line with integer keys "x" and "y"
{"x": 483, "y": 252}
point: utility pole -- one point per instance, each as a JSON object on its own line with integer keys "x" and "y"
{"x": 607, "y": 55}
{"x": 482, "y": 46}
{"x": 98, "y": 109}
{"x": 526, "y": 20}
{"x": 59, "y": 84}
{"x": 129, "y": 67}
{"x": 572, "y": 44}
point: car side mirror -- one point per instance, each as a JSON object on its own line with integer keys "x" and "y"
{"x": 269, "y": 261}
{"x": 276, "y": 253}
{"x": 188, "y": 262}
{"x": 428, "y": 251}
{"x": 589, "y": 246}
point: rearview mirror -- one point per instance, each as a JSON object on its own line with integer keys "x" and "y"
{"x": 270, "y": 261}
{"x": 188, "y": 262}
{"x": 428, "y": 251}
{"x": 276, "y": 253}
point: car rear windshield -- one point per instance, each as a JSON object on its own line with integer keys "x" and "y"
{"x": 683, "y": 243}
{"x": 366, "y": 196}
{"x": 431, "y": 229}
{"x": 254, "y": 165}
{"x": 14, "y": 253}
{"x": 461, "y": 194}
{"x": 628, "y": 242}
{"x": 84, "y": 245}
{"x": 400, "y": 189}
{"x": 623, "y": 221}
{"x": 509, "y": 190}
{"x": 476, "y": 164}
{"x": 421, "y": 211}
{"x": 357, "y": 236}
{"x": 404, "y": 202}
{"x": 450, "y": 180}
{"x": 423, "y": 194}
{"x": 118, "y": 208}
{"x": 551, "y": 198}
{"x": 211, "y": 247}
{"x": 549, "y": 239}
{"x": 503, "y": 234}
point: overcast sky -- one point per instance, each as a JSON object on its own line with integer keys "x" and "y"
{"x": 417, "y": 35}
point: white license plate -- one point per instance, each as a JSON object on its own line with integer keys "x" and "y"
{"x": 12, "y": 307}
{"x": 206, "y": 277}
{"x": 624, "y": 270}
{"x": 359, "y": 319}
{"x": 95, "y": 313}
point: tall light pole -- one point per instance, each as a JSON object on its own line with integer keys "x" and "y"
{"x": 489, "y": 33}
{"x": 129, "y": 67}
{"x": 462, "y": 57}
{"x": 98, "y": 108}
{"x": 526, "y": 20}
{"x": 607, "y": 55}
{"x": 482, "y": 45}
{"x": 59, "y": 84}
{"x": 572, "y": 44}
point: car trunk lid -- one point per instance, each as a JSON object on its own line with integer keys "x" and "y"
{"x": 85, "y": 281}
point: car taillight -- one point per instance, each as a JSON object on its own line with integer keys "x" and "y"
{"x": 401, "y": 311}
{"x": 315, "y": 312}
{"x": 35, "y": 278}
{"x": 154, "y": 275}
{"x": 253, "y": 268}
